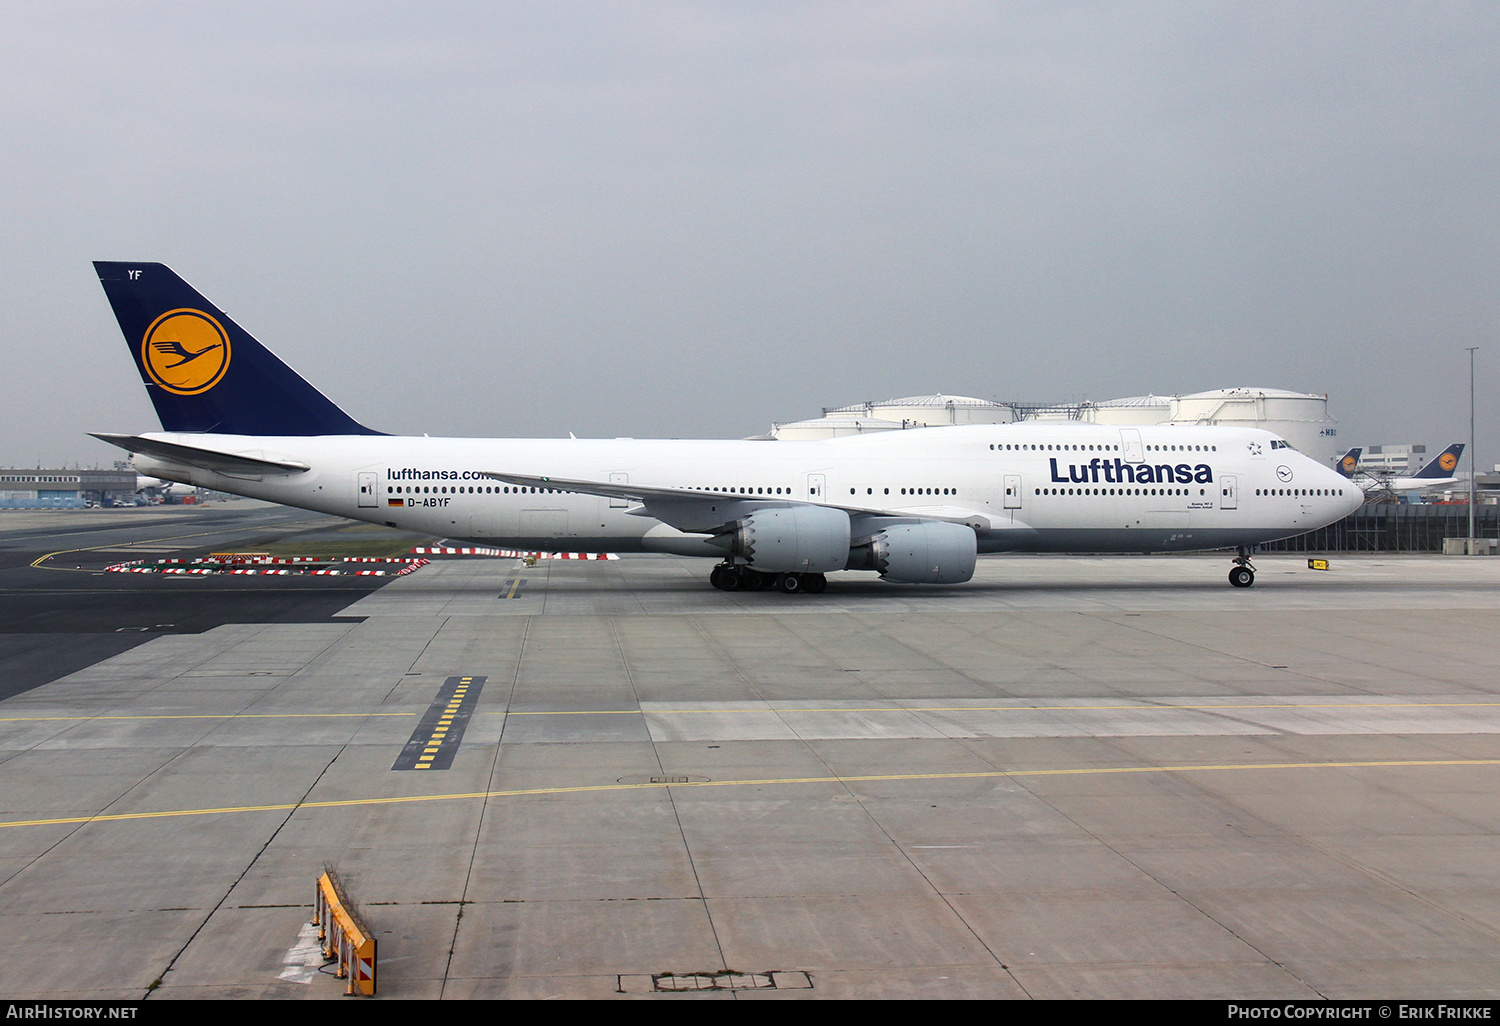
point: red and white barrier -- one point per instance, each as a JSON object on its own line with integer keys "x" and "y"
{"x": 225, "y": 565}
{"x": 510, "y": 553}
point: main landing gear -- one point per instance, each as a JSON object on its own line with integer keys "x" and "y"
{"x": 1242, "y": 574}
{"x": 732, "y": 577}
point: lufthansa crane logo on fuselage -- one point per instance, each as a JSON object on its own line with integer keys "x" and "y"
{"x": 185, "y": 351}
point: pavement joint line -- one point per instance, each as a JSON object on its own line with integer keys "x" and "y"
{"x": 768, "y": 782}
{"x": 1352, "y": 704}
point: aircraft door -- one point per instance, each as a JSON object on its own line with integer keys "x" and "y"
{"x": 618, "y": 477}
{"x": 1229, "y": 492}
{"x": 367, "y": 486}
{"x": 816, "y": 486}
{"x": 1012, "y": 491}
{"x": 1130, "y": 441}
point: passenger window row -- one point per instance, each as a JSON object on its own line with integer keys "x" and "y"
{"x": 909, "y": 491}
{"x": 470, "y": 490}
{"x": 518, "y": 490}
{"x": 1118, "y": 491}
{"x": 1041, "y": 447}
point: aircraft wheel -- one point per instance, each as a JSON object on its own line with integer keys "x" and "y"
{"x": 729, "y": 579}
{"x": 789, "y": 584}
{"x": 815, "y": 584}
{"x": 1242, "y": 577}
{"x": 716, "y": 577}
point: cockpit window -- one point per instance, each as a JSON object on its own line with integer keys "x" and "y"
{"x": 1277, "y": 443}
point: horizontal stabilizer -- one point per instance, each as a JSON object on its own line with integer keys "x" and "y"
{"x": 207, "y": 459}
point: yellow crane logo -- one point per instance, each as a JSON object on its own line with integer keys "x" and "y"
{"x": 185, "y": 351}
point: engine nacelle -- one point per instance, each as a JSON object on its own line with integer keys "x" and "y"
{"x": 792, "y": 539}
{"x": 931, "y": 552}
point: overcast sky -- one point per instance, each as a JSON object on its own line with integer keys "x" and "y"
{"x": 692, "y": 219}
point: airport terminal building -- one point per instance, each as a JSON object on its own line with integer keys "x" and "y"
{"x": 64, "y": 489}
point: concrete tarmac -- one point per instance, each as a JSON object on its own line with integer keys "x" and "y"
{"x": 59, "y": 613}
{"x": 1073, "y": 777}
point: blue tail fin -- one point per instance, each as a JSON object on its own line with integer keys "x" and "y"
{"x": 1348, "y": 463}
{"x": 1444, "y": 464}
{"x": 204, "y": 372}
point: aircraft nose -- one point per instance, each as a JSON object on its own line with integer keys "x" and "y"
{"x": 1351, "y": 494}
{"x": 1345, "y": 494}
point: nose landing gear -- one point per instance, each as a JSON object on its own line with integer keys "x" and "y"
{"x": 1242, "y": 574}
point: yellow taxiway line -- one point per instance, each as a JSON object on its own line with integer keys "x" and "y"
{"x": 37, "y": 563}
{"x": 766, "y": 782}
{"x": 772, "y": 707}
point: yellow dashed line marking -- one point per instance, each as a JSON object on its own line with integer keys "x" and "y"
{"x": 424, "y": 749}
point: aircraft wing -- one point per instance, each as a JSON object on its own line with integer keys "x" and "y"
{"x": 615, "y": 490}
{"x": 687, "y": 509}
{"x": 697, "y": 511}
{"x": 206, "y": 459}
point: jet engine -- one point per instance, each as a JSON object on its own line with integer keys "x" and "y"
{"x": 930, "y": 552}
{"x": 792, "y": 539}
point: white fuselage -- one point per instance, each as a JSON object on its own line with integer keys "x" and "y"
{"x": 1376, "y": 483}
{"x": 1022, "y": 487}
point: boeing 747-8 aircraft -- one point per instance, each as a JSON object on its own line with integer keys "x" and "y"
{"x": 913, "y": 506}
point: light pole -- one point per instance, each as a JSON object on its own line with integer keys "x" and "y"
{"x": 1473, "y": 480}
